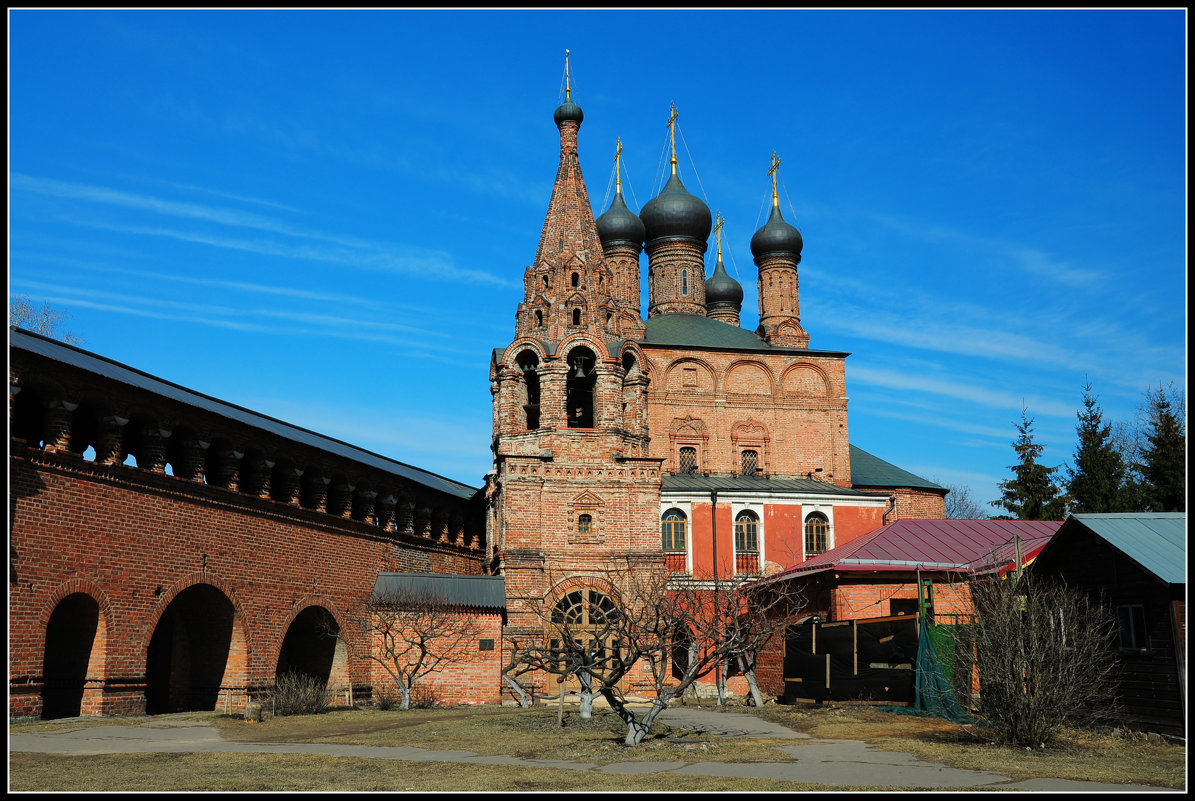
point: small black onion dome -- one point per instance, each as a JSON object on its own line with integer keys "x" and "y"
{"x": 619, "y": 224}
{"x": 568, "y": 110}
{"x": 676, "y": 213}
{"x": 722, "y": 290}
{"x": 776, "y": 236}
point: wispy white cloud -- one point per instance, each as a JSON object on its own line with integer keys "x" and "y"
{"x": 352, "y": 251}
{"x": 984, "y": 396}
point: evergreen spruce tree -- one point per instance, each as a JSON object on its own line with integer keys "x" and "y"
{"x": 1031, "y": 493}
{"x": 1096, "y": 481}
{"x": 1164, "y": 455}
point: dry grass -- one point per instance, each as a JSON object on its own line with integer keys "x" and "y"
{"x": 247, "y": 772}
{"x": 535, "y": 734}
{"x": 1078, "y": 755}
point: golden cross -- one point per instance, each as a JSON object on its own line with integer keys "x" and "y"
{"x": 617, "y": 171}
{"x": 567, "y": 90}
{"x": 672, "y": 134}
{"x": 718, "y": 231}
{"x": 772, "y": 172}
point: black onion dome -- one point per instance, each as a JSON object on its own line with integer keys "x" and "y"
{"x": 722, "y": 290}
{"x": 568, "y": 110}
{"x": 619, "y": 224}
{"x": 676, "y": 213}
{"x": 776, "y": 236}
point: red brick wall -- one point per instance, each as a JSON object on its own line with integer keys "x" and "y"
{"x": 133, "y": 541}
{"x": 914, "y": 504}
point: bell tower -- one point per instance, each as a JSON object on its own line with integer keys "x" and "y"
{"x": 572, "y": 491}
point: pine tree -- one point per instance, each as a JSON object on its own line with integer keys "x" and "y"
{"x": 1164, "y": 456}
{"x": 1096, "y": 481}
{"x": 1031, "y": 493}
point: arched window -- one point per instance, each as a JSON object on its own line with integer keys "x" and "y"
{"x": 750, "y": 462}
{"x": 576, "y": 279}
{"x": 576, "y": 316}
{"x": 684, "y": 282}
{"x": 545, "y": 282}
{"x": 584, "y": 523}
{"x": 746, "y": 532}
{"x": 528, "y": 362}
{"x": 687, "y": 460}
{"x": 672, "y": 530}
{"x": 817, "y": 534}
{"x": 539, "y": 318}
{"x": 584, "y": 607}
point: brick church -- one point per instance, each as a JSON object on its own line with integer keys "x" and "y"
{"x": 170, "y": 551}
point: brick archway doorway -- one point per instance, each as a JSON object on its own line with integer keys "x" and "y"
{"x": 70, "y": 637}
{"x": 312, "y": 648}
{"x": 188, "y": 654}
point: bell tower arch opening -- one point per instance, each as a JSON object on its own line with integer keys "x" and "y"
{"x": 580, "y": 387}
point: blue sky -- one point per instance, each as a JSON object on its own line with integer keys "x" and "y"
{"x": 325, "y": 216}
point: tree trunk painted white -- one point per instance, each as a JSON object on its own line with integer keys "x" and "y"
{"x": 750, "y": 674}
{"x": 524, "y": 698}
{"x": 404, "y": 691}
{"x": 587, "y": 695}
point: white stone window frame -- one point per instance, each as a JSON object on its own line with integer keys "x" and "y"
{"x": 687, "y": 508}
{"x": 756, "y": 508}
{"x": 826, "y": 509}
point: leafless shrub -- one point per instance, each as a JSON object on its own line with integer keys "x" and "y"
{"x": 1045, "y": 656}
{"x": 300, "y": 694}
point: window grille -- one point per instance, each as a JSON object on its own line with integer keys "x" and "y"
{"x": 750, "y": 463}
{"x": 687, "y": 461}
{"x": 817, "y": 534}
{"x": 584, "y": 522}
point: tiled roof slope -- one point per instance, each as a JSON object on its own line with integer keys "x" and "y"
{"x": 694, "y": 482}
{"x": 695, "y": 331}
{"x": 476, "y": 592}
{"x": 871, "y": 471}
{"x": 964, "y": 545}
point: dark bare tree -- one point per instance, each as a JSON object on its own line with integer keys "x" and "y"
{"x": 1045, "y": 654}
{"x": 411, "y": 634}
{"x": 678, "y": 630}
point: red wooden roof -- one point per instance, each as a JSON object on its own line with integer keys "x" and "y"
{"x": 972, "y": 546}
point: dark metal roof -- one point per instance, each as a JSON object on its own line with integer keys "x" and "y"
{"x": 475, "y": 592}
{"x": 19, "y": 339}
{"x": 696, "y": 331}
{"x": 695, "y": 482}
{"x": 871, "y": 471}
{"x": 934, "y": 545}
{"x": 1157, "y": 541}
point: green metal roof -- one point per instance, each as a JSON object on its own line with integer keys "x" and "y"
{"x": 697, "y": 331}
{"x": 1157, "y": 541}
{"x": 871, "y": 471}
{"x": 478, "y": 592}
{"x": 695, "y": 482}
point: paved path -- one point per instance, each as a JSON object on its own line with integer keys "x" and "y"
{"x": 845, "y": 763}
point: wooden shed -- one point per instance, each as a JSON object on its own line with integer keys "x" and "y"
{"x": 1138, "y": 563}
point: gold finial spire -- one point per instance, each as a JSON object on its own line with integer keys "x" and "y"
{"x": 718, "y": 231}
{"x": 772, "y": 172}
{"x": 567, "y": 88}
{"x": 672, "y": 135}
{"x": 617, "y": 169}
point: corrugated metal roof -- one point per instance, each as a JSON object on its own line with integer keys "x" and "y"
{"x": 695, "y": 482}
{"x": 475, "y": 592}
{"x": 19, "y": 339}
{"x": 1155, "y": 540}
{"x": 872, "y": 471}
{"x": 694, "y": 330}
{"x": 970, "y": 545}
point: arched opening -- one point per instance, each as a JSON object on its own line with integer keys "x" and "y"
{"x": 579, "y": 389}
{"x": 673, "y": 539}
{"x": 528, "y": 363}
{"x": 189, "y": 652}
{"x": 70, "y": 636}
{"x": 582, "y": 616}
{"x": 576, "y": 279}
{"x": 576, "y": 316}
{"x": 817, "y": 534}
{"x": 85, "y": 430}
{"x": 28, "y": 417}
{"x": 684, "y": 282}
{"x": 312, "y": 648}
{"x": 539, "y": 318}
